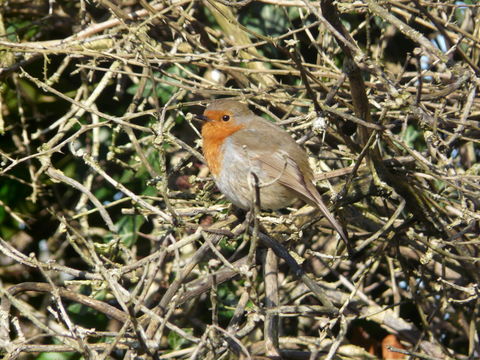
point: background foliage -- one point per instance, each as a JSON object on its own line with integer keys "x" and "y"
{"x": 115, "y": 241}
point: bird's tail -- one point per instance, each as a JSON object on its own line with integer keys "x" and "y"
{"x": 315, "y": 195}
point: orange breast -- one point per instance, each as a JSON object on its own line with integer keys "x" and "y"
{"x": 214, "y": 134}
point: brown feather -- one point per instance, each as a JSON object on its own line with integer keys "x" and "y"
{"x": 284, "y": 159}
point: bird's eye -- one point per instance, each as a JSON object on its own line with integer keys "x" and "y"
{"x": 226, "y": 117}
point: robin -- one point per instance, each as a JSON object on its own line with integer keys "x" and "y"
{"x": 241, "y": 147}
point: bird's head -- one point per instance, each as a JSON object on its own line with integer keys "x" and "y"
{"x": 224, "y": 117}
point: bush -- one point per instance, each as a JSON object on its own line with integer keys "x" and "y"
{"x": 116, "y": 242}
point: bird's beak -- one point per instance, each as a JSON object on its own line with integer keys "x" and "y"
{"x": 201, "y": 118}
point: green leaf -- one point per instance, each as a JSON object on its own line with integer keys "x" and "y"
{"x": 164, "y": 85}
{"x": 176, "y": 341}
{"x": 267, "y": 20}
{"x": 57, "y": 356}
{"x": 86, "y": 316}
{"x": 227, "y": 299}
{"x": 128, "y": 227}
{"x": 413, "y": 137}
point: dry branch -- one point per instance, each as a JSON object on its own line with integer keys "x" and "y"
{"x": 109, "y": 217}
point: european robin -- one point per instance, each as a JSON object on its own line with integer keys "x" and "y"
{"x": 237, "y": 143}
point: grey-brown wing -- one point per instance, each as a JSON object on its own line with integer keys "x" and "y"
{"x": 286, "y": 162}
{"x": 290, "y": 176}
{"x": 279, "y": 155}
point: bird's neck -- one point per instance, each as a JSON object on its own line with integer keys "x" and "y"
{"x": 214, "y": 135}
